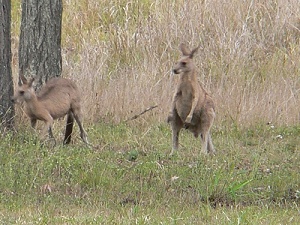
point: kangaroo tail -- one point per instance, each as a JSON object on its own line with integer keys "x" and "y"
{"x": 69, "y": 128}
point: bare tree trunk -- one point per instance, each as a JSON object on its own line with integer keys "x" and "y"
{"x": 40, "y": 39}
{"x": 6, "y": 83}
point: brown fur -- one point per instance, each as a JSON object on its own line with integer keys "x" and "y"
{"x": 59, "y": 97}
{"x": 192, "y": 108}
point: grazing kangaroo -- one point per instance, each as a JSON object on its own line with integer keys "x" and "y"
{"x": 57, "y": 98}
{"x": 192, "y": 108}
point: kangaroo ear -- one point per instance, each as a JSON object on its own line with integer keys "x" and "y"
{"x": 23, "y": 79}
{"x": 30, "y": 83}
{"x": 193, "y": 52}
{"x": 184, "y": 49}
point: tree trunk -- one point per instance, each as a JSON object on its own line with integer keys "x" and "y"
{"x": 40, "y": 40}
{"x": 6, "y": 82}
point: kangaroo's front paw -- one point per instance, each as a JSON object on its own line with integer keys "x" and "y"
{"x": 188, "y": 120}
{"x": 170, "y": 118}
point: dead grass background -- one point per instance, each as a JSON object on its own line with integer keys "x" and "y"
{"x": 121, "y": 54}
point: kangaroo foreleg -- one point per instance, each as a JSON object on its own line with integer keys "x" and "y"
{"x": 48, "y": 128}
{"x": 171, "y": 113}
{"x": 188, "y": 119}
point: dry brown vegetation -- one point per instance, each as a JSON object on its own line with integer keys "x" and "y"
{"x": 121, "y": 53}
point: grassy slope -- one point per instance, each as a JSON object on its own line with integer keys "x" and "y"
{"x": 128, "y": 176}
{"x": 122, "y": 53}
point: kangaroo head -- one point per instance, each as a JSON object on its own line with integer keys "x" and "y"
{"x": 185, "y": 64}
{"x": 25, "y": 91}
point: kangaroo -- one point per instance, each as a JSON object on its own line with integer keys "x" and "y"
{"x": 192, "y": 108}
{"x": 57, "y": 98}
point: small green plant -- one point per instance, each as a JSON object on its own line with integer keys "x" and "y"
{"x": 236, "y": 186}
{"x": 133, "y": 155}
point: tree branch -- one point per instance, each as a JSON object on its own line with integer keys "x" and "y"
{"x": 138, "y": 115}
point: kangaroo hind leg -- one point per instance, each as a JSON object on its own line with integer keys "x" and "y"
{"x": 69, "y": 128}
{"x": 78, "y": 117}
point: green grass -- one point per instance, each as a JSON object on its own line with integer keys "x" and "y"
{"x": 129, "y": 178}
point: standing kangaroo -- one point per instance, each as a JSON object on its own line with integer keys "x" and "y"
{"x": 57, "y": 98}
{"x": 192, "y": 108}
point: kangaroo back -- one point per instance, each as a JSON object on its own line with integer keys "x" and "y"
{"x": 59, "y": 95}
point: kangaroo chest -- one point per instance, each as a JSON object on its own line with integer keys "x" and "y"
{"x": 185, "y": 95}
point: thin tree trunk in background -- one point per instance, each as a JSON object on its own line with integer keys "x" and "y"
{"x": 6, "y": 82}
{"x": 40, "y": 40}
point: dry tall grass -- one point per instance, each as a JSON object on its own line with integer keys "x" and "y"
{"x": 121, "y": 54}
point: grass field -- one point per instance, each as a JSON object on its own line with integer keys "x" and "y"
{"x": 121, "y": 54}
{"x": 129, "y": 178}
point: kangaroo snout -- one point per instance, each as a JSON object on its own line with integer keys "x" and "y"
{"x": 176, "y": 71}
{"x": 13, "y": 99}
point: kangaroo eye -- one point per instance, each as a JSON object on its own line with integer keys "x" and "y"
{"x": 183, "y": 63}
{"x": 21, "y": 92}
